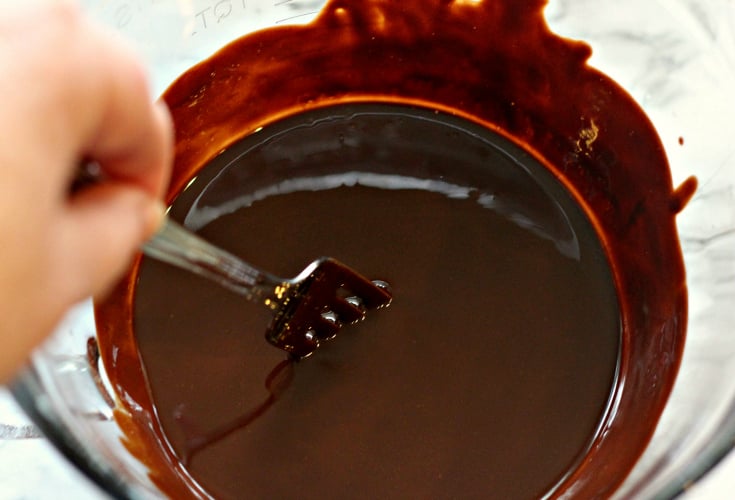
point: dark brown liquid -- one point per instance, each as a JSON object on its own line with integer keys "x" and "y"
{"x": 502, "y": 339}
{"x": 491, "y": 373}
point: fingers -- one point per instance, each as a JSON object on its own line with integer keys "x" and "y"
{"x": 134, "y": 140}
{"x": 128, "y": 135}
{"x": 86, "y": 250}
{"x": 102, "y": 230}
{"x": 70, "y": 92}
{"x": 93, "y": 94}
{"x": 117, "y": 125}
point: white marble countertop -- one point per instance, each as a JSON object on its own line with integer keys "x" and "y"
{"x": 30, "y": 468}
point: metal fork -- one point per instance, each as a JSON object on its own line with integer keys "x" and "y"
{"x": 308, "y": 309}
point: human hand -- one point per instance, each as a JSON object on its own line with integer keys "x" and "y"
{"x": 69, "y": 92}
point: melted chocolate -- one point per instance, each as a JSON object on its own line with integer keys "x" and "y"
{"x": 540, "y": 302}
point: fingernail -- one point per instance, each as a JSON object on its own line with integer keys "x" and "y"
{"x": 155, "y": 213}
{"x": 164, "y": 114}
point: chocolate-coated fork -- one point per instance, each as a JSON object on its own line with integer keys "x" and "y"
{"x": 307, "y": 309}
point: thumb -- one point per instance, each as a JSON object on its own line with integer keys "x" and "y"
{"x": 105, "y": 225}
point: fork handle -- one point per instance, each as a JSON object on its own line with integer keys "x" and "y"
{"x": 180, "y": 247}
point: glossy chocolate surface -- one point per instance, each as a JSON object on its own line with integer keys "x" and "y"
{"x": 502, "y": 341}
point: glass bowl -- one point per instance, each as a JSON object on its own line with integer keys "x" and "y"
{"x": 675, "y": 57}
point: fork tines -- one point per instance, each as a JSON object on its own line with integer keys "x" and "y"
{"x": 320, "y": 301}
